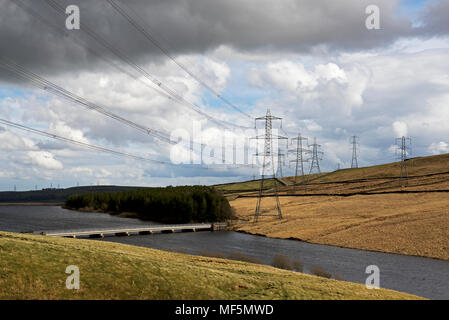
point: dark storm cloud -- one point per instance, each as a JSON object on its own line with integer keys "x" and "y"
{"x": 435, "y": 18}
{"x": 193, "y": 26}
{"x": 271, "y": 25}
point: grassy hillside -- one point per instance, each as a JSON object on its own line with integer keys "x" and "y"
{"x": 242, "y": 187}
{"x": 425, "y": 174}
{"x": 33, "y": 267}
{"x": 364, "y": 208}
{"x": 416, "y": 167}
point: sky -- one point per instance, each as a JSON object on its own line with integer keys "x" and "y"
{"x": 315, "y": 64}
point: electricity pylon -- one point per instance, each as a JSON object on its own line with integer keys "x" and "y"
{"x": 300, "y": 153}
{"x": 268, "y": 160}
{"x": 403, "y": 148}
{"x": 279, "y": 167}
{"x": 281, "y": 160}
{"x": 316, "y": 157}
{"x": 354, "y": 142}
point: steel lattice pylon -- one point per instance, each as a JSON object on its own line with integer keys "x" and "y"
{"x": 316, "y": 157}
{"x": 268, "y": 160}
{"x": 280, "y": 159}
{"x": 403, "y": 148}
{"x": 354, "y": 162}
{"x": 300, "y": 152}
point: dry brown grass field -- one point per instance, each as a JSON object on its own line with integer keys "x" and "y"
{"x": 375, "y": 213}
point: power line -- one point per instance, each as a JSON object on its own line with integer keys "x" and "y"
{"x": 162, "y": 136}
{"x": 63, "y": 32}
{"x": 96, "y": 37}
{"x": 47, "y": 85}
{"x": 21, "y": 5}
{"x": 156, "y": 43}
{"x": 268, "y": 154}
{"x": 100, "y": 148}
{"x": 82, "y": 144}
{"x": 61, "y": 92}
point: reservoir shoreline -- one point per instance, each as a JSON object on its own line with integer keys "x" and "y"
{"x": 232, "y": 227}
{"x": 421, "y": 276}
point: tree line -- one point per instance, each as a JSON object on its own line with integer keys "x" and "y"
{"x": 183, "y": 204}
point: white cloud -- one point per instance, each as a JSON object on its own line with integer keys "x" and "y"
{"x": 293, "y": 77}
{"x": 12, "y": 142}
{"x": 400, "y": 128}
{"x": 7, "y": 174}
{"x": 311, "y": 126}
{"x": 439, "y": 147}
{"x": 61, "y": 129}
{"x": 44, "y": 159}
{"x": 330, "y": 72}
{"x": 81, "y": 171}
{"x": 214, "y": 73}
{"x": 323, "y": 87}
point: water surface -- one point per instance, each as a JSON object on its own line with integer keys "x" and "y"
{"x": 421, "y": 276}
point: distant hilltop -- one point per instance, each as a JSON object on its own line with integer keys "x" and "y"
{"x": 54, "y": 195}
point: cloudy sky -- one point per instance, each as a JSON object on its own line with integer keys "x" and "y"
{"x": 313, "y": 63}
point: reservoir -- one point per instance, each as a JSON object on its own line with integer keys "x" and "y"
{"x": 424, "y": 277}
